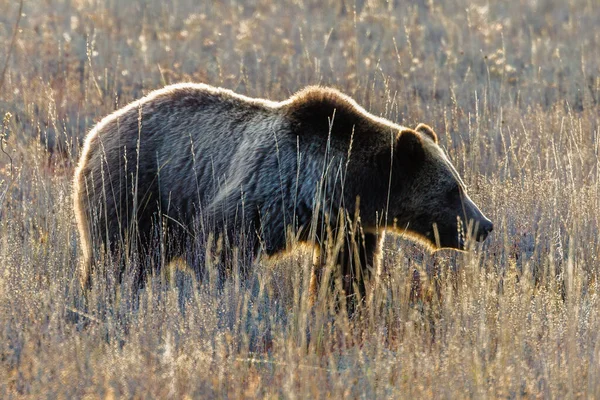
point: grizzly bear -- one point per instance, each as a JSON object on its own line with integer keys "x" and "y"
{"x": 192, "y": 158}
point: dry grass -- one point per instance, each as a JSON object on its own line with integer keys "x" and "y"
{"x": 513, "y": 90}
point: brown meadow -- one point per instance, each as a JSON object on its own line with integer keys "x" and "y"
{"x": 511, "y": 88}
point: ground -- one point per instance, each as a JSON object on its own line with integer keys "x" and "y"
{"x": 511, "y": 88}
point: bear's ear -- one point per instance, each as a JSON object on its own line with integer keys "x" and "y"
{"x": 409, "y": 147}
{"x": 426, "y": 129}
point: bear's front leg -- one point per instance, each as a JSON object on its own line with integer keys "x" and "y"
{"x": 357, "y": 259}
{"x": 359, "y": 256}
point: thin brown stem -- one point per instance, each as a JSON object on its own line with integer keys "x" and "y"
{"x": 12, "y": 44}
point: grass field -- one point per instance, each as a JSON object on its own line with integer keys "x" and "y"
{"x": 513, "y": 91}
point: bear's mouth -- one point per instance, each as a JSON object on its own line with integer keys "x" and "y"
{"x": 447, "y": 237}
{"x": 447, "y": 241}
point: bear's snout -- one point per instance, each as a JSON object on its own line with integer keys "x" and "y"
{"x": 485, "y": 227}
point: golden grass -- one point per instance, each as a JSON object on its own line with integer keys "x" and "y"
{"x": 511, "y": 88}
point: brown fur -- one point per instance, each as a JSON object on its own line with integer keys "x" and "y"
{"x": 426, "y": 129}
{"x": 191, "y": 159}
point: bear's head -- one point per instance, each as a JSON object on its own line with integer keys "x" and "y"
{"x": 424, "y": 197}
{"x": 427, "y": 198}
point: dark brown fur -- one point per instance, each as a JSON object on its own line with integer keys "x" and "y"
{"x": 193, "y": 153}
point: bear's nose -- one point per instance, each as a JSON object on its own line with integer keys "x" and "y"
{"x": 485, "y": 227}
{"x": 488, "y": 226}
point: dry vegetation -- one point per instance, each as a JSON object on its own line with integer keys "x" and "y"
{"x": 513, "y": 90}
